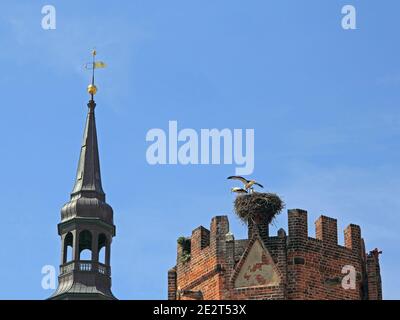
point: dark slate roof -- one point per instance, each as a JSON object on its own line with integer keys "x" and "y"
{"x": 71, "y": 288}
{"x": 88, "y": 177}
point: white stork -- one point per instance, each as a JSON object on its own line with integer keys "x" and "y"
{"x": 248, "y": 184}
{"x": 238, "y": 190}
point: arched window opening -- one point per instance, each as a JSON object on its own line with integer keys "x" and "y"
{"x": 85, "y": 245}
{"x": 102, "y": 245}
{"x": 85, "y": 255}
{"x": 68, "y": 244}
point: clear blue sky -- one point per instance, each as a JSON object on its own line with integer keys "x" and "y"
{"x": 324, "y": 103}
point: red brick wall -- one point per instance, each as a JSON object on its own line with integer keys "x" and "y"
{"x": 203, "y": 270}
{"x": 374, "y": 277}
{"x": 309, "y": 268}
{"x": 313, "y": 264}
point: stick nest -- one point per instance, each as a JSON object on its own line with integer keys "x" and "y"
{"x": 258, "y": 205}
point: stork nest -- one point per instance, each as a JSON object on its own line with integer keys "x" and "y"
{"x": 258, "y": 205}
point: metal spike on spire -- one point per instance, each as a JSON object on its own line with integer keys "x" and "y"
{"x": 92, "y": 89}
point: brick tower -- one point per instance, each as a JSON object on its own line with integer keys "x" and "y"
{"x": 86, "y": 225}
{"x": 212, "y": 265}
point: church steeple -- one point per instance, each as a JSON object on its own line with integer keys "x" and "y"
{"x": 86, "y": 223}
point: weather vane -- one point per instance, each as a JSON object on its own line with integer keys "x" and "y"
{"x": 92, "y": 89}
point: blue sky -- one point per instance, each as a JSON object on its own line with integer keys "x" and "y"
{"x": 324, "y": 104}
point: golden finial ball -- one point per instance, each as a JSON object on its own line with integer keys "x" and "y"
{"x": 92, "y": 89}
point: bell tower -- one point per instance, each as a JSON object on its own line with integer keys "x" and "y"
{"x": 86, "y": 228}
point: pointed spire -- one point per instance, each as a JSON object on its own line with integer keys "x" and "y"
{"x": 88, "y": 178}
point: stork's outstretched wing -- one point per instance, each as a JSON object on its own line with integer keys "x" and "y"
{"x": 257, "y": 184}
{"x": 245, "y": 181}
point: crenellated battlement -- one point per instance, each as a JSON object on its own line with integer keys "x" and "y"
{"x": 204, "y": 242}
{"x": 326, "y": 233}
{"x": 199, "y": 240}
{"x": 325, "y": 230}
{"x": 289, "y": 265}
